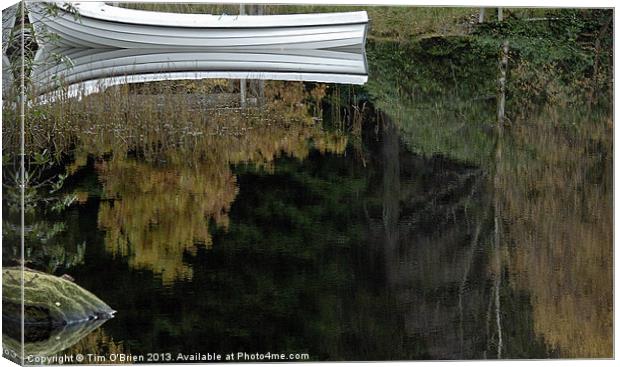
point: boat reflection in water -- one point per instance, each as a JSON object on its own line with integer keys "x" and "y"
{"x": 90, "y": 71}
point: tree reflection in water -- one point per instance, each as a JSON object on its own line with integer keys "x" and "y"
{"x": 311, "y": 221}
{"x": 168, "y": 177}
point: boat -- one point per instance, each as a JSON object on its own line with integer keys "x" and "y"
{"x": 94, "y": 70}
{"x": 99, "y": 25}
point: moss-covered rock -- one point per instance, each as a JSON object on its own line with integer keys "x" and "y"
{"x": 48, "y": 300}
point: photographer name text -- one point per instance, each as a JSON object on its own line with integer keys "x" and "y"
{"x": 165, "y": 357}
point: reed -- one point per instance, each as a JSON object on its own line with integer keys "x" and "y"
{"x": 179, "y": 144}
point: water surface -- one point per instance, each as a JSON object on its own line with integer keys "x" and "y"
{"x": 389, "y": 221}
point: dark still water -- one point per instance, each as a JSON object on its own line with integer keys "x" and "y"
{"x": 389, "y": 221}
{"x": 322, "y": 256}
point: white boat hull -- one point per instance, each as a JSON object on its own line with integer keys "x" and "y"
{"x": 94, "y": 70}
{"x": 104, "y": 26}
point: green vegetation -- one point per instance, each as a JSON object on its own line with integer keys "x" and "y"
{"x": 443, "y": 91}
{"x": 562, "y": 61}
{"x": 440, "y": 92}
{"x": 45, "y": 200}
